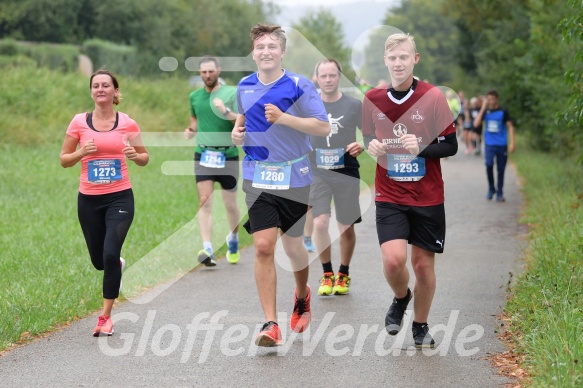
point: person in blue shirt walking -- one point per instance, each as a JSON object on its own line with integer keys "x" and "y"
{"x": 498, "y": 141}
{"x": 278, "y": 111}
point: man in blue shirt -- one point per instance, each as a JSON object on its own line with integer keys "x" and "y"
{"x": 278, "y": 111}
{"x": 498, "y": 141}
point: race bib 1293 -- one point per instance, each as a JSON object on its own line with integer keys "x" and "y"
{"x": 405, "y": 167}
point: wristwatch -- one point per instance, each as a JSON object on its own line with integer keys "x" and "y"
{"x": 227, "y": 111}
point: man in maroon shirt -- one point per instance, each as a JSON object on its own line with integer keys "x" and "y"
{"x": 408, "y": 126}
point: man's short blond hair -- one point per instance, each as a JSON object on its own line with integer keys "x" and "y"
{"x": 397, "y": 39}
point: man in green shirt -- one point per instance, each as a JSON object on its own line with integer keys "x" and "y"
{"x": 213, "y": 110}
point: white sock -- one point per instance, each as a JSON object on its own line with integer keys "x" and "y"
{"x": 208, "y": 246}
{"x": 233, "y": 236}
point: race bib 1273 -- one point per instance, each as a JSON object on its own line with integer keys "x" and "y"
{"x": 103, "y": 171}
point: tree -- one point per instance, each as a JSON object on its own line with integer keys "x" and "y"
{"x": 518, "y": 50}
{"x": 572, "y": 114}
{"x": 175, "y": 28}
{"x": 318, "y": 35}
{"x": 52, "y": 21}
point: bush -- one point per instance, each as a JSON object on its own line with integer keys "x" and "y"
{"x": 62, "y": 57}
{"x": 22, "y": 61}
{"x": 115, "y": 57}
{"x": 8, "y": 47}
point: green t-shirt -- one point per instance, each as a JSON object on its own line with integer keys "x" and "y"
{"x": 214, "y": 129}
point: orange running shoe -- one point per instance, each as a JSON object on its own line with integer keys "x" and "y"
{"x": 301, "y": 316}
{"x": 270, "y": 335}
{"x": 104, "y": 325}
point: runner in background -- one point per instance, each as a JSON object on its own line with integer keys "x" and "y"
{"x": 336, "y": 177}
{"x": 476, "y": 132}
{"x": 498, "y": 141}
{"x": 468, "y": 125}
{"x": 216, "y": 159}
{"x": 308, "y": 232}
{"x": 462, "y": 112}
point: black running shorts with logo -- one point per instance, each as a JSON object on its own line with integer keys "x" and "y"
{"x": 284, "y": 209}
{"x": 421, "y": 226}
{"x": 226, "y": 176}
{"x": 345, "y": 190}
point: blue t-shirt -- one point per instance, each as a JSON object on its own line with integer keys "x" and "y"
{"x": 275, "y": 143}
{"x": 495, "y": 130}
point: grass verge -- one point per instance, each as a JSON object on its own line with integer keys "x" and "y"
{"x": 546, "y": 305}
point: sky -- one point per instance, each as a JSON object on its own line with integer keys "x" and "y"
{"x": 356, "y": 16}
{"x": 318, "y": 3}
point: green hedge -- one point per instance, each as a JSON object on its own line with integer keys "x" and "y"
{"x": 114, "y": 57}
{"x": 8, "y": 47}
{"x": 62, "y": 57}
{"x": 16, "y": 61}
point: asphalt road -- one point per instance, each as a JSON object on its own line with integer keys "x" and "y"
{"x": 199, "y": 331}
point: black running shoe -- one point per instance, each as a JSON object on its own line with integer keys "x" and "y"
{"x": 394, "y": 317}
{"x": 422, "y": 337}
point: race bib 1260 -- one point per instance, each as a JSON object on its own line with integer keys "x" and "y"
{"x": 213, "y": 159}
{"x": 103, "y": 171}
{"x": 271, "y": 177}
{"x": 405, "y": 167}
{"x": 330, "y": 159}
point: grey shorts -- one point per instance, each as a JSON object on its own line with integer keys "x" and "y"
{"x": 345, "y": 192}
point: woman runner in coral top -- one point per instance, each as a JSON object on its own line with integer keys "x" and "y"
{"x": 106, "y": 201}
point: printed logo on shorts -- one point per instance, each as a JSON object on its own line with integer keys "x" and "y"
{"x": 399, "y": 127}
{"x": 417, "y": 116}
{"x": 304, "y": 170}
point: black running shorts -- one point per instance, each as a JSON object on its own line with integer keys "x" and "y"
{"x": 345, "y": 193}
{"x": 226, "y": 176}
{"x": 284, "y": 209}
{"x": 422, "y": 226}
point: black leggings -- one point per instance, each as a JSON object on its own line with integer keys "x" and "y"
{"x": 105, "y": 220}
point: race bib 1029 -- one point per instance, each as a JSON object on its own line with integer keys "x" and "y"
{"x": 330, "y": 159}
